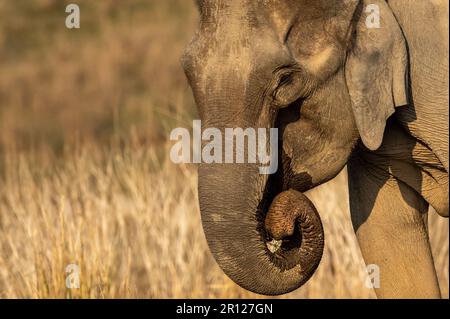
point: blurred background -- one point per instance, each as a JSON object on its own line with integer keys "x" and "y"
{"x": 85, "y": 116}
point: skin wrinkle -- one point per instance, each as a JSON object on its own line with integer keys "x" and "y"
{"x": 429, "y": 72}
{"x": 420, "y": 156}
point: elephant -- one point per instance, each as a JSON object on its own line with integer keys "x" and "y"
{"x": 342, "y": 92}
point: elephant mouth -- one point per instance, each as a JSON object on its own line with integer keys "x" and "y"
{"x": 278, "y": 225}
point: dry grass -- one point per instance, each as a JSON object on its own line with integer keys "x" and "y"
{"x": 84, "y": 179}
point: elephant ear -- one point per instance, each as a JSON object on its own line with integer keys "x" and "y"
{"x": 376, "y": 71}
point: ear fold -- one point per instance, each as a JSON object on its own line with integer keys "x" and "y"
{"x": 376, "y": 72}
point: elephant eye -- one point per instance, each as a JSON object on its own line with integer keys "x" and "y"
{"x": 285, "y": 79}
{"x": 289, "y": 89}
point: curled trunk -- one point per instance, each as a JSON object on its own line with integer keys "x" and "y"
{"x": 267, "y": 244}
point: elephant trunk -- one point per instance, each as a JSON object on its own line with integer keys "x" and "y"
{"x": 267, "y": 243}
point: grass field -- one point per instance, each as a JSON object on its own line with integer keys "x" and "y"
{"x": 85, "y": 117}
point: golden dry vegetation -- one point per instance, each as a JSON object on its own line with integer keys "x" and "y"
{"x": 84, "y": 175}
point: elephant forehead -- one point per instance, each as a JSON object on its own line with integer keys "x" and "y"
{"x": 223, "y": 60}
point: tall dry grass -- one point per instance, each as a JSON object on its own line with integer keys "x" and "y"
{"x": 84, "y": 179}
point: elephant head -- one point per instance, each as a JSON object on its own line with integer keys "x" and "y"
{"x": 315, "y": 71}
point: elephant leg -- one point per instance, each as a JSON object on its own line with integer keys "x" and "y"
{"x": 388, "y": 218}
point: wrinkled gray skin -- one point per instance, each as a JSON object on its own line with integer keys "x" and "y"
{"x": 340, "y": 93}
